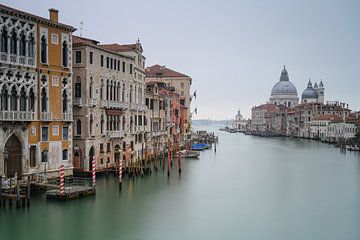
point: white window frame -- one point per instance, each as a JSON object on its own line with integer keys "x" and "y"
{"x": 48, "y": 135}
{"x": 55, "y": 81}
{"x": 55, "y": 38}
{"x": 55, "y": 130}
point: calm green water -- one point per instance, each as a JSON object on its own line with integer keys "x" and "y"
{"x": 252, "y": 188}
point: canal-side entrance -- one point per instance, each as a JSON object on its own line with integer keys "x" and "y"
{"x": 13, "y": 157}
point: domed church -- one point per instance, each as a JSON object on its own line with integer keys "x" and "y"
{"x": 284, "y": 92}
{"x": 313, "y": 94}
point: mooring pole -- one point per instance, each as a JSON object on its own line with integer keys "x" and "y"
{"x": 28, "y": 192}
{"x": 62, "y": 180}
{"x": 0, "y": 191}
{"x": 18, "y": 195}
{"x": 94, "y": 172}
{"x": 120, "y": 174}
{"x": 179, "y": 155}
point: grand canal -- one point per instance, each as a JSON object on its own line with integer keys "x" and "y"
{"x": 251, "y": 188}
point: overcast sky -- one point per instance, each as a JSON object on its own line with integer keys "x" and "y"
{"x": 233, "y": 50}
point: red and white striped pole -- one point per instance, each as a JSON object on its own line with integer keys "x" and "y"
{"x": 93, "y": 172}
{"x": 120, "y": 172}
{"x": 62, "y": 180}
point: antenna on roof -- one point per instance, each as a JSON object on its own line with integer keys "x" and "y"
{"x": 138, "y": 40}
{"x": 81, "y": 28}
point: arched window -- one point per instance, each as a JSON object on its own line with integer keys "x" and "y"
{"x": 101, "y": 89}
{"x": 22, "y": 100}
{"x": 91, "y": 123}
{"x": 107, "y": 90}
{"x": 31, "y": 46}
{"x": 102, "y": 124}
{"x": 91, "y": 88}
{"x": 65, "y": 54}
{"x": 131, "y": 93}
{"x": 22, "y": 45}
{"x": 43, "y": 49}
{"x": 111, "y": 91}
{"x": 78, "y": 127}
{"x": 123, "y": 123}
{"x": 78, "y": 87}
{"x": 4, "y": 98}
{"x": 64, "y": 102}
{"x": 43, "y": 100}
{"x": 13, "y": 99}
{"x": 4, "y": 40}
{"x": 13, "y": 43}
{"x": 31, "y": 100}
{"x": 123, "y": 93}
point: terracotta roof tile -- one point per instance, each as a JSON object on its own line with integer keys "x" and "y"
{"x": 162, "y": 71}
{"x": 77, "y": 39}
{"x": 119, "y": 48}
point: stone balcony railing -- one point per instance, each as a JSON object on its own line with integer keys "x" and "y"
{"x": 115, "y": 134}
{"x": 45, "y": 116}
{"x": 113, "y": 104}
{"x": 12, "y": 58}
{"x": 16, "y": 116}
{"x": 77, "y": 102}
{"x": 67, "y": 117}
{"x": 92, "y": 102}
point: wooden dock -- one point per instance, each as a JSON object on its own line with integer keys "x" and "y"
{"x": 70, "y": 193}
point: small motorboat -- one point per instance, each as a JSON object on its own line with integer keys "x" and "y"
{"x": 352, "y": 148}
{"x": 200, "y": 146}
{"x": 189, "y": 154}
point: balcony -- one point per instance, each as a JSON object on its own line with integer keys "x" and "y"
{"x": 77, "y": 102}
{"x": 158, "y": 133}
{"x": 4, "y": 57}
{"x": 30, "y": 61}
{"x": 13, "y": 58}
{"x": 67, "y": 117}
{"x": 115, "y": 134}
{"x": 92, "y": 102}
{"x": 22, "y": 60}
{"x": 16, "y": 116}
{"x": 113, "y": 104}
{"x": 45, "y": 116}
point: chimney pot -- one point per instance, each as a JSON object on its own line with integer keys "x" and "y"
{"x": 54, "y": 14}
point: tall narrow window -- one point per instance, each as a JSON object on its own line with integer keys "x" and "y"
{"x": 43, "y": 49}
{"x": 43, "y": 100}
{"x": 123, "y": 93}
{"x": 13, "y": 99}
{"x": 64, "y": 102}
{"x": 91, "y": 88}
{"x": 22, "y": 100}
{"x": 31, "y": 46}
{"x": 31, "y": 100}
{"x": 65, "y": 133}
{"x": 101, "y": 89}
{"x": 32, "y": 156}
{"x": 123, "y": 66}
{"x": 102, "y": 124}
{"x": 65, "y": 154}
{"x": 4, "y": 40}
{"x": 107, "y": 90}
{"x": 78, "y": 57}
{"x": 65, "y": 54}
{"x": 44, "y": 134}
{"x": 78, "y": 127}
{"x": 78, "y": 87}
{"x": 44, "y": 155}
{"x": 131, "y": 68}
{"x": 22, "y": 45}
{"x": 13, "y": 43}
{"x": 91, "y": 123}
{"x": 131, "y": 94}
{"x": 4, "y": 98}
{"x": 91, "y": 57}
{"x": 107, "y": 62}
{"x": 102, "y": 60}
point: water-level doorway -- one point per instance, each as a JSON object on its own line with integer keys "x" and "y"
{"x": 13, "y": 157}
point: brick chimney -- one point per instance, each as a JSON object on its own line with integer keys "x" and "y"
{"x": 54, "y": 14}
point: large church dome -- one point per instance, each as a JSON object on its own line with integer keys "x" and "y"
{"x": 284, "y": 86}
{"x": 309, "y": 92}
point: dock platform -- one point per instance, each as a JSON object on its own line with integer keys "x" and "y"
{"x": 70, "y": 193}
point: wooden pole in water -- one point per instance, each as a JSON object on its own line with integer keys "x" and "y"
{"x": 28, "y": 192}
{"x": 18, "y": 195}
{"x": 0, "y": 191}
{"x": 179, "y": 155}
{"x": 10, "y": 200}
{"x": 62, "y": 180}
{"x": 169, "y": 159}
{"x": 94, "y": 172}
{"x": 120, "y": 174}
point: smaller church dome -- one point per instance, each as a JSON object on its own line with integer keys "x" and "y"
{"x": 309, "y": 92}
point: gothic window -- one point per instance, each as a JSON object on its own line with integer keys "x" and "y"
{"x": 123, "y": 93}
{"x": 78, "y": 127}
{"x": 131, "y": 93}
{"x": 64, "y": 102}
{"x": 13, "y": 43}
{"x": 4, "y": 40}
{"x": 43, "y": 100}
{"x": 43, "y": 49}
{"x": 111, "y": 90}
{"x": 31, "y": 100}
{"x": 91, "y": 88}
{"x": 91, "y": 123}
{"x": 123, "y": 123}
{"x": 101, "y": 89}
{"x": 107, "y": 90}
{"x": 4, "y": 98}
{"x": 22, "y": 45}
{"x": 13, "y": 99}
{"x": 78, "y": 87}
{"x": 22, "y": 100}
{"x": 65, "y": 54}
{"x": 102, "y": 124}
{"x": 31, "y": 46}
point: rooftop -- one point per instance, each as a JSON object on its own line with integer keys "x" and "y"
{"x": 162, "y": 71}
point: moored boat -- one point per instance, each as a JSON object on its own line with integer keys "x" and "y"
{"x": 189, "y": 154}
